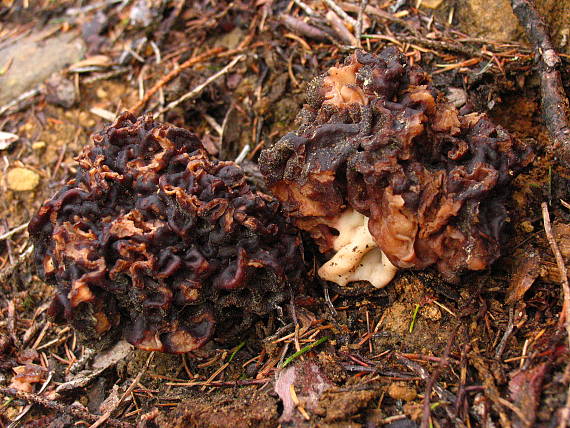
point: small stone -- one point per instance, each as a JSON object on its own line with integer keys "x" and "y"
{"x": 493, "y": 20}
{"x": 431, "y": 312}
{"x": 527, "y": 226}
{"x": 456, "y": 96}
{"x": 60, "y": 91}
{"x": 142, "y": 13}
{"x": 39, "y": 146}
{"x": 101, "y": 93}
{"x": 401, "y": 391}
{"x": 22, "y": 179}
{"x": 86, "y": 120}
{"x": 84, "y": 401}
{"x": 26, "y": 128}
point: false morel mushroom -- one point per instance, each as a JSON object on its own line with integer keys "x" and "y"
{"x": 155, "y": 239}
{"x": 385, "y": 173}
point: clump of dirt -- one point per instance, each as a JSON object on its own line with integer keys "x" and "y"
{"x": 338, "y": 404}
{"x": 242, "y": 407}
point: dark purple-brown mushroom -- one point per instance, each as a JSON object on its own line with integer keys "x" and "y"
{"x": 154, "y": 239}
{"x": 386, "y": 174}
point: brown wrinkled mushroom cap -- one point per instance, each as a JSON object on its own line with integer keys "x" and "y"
{"x": 154, "y": 239}
{"x": 377, "y": 138}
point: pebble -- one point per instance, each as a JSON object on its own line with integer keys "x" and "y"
{"x": 101, "y": 93}
{"x": 431, "y": 312}
{"x": 456, "y": 96}
{"x": 39, "y": 145}
{"x": 86, "y": 120}
{"x": 527, "y": 226}
{"x": 26, "y": 129}
{"x": 60, "y": 91}
{"x": 22, "y": 179}
{"x": 401, "y": 391}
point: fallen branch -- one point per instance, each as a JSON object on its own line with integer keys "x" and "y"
{"x": 555, "y": 108}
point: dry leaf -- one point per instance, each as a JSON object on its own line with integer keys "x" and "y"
{"x": 526, "y": 270}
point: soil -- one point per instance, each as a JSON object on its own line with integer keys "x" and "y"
{"x": 488, "y": 352}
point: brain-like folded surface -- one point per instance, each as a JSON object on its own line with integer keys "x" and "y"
{"x": 387, "y": 174}
{"x": 154, "y": 239}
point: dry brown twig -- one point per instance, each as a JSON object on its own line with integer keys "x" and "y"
{"x": 13, "y": 231}
{"x": 340, "y": 12}
{"x": 381, "y": 14}
{"x": 301, "y": 28}
{"x": 508, "y": 331}
{"x": 555, "y": 107}
{"x": 340, "y": 29}
{"x": 565, "y": 315}
{"x": 306, "y": 8}
{"x": 12, "y": 324}
{"x": 359, "y": 22}
{"x": 17, "y": 102}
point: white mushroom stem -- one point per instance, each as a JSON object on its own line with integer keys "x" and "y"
{"x": 357, "y": 257}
